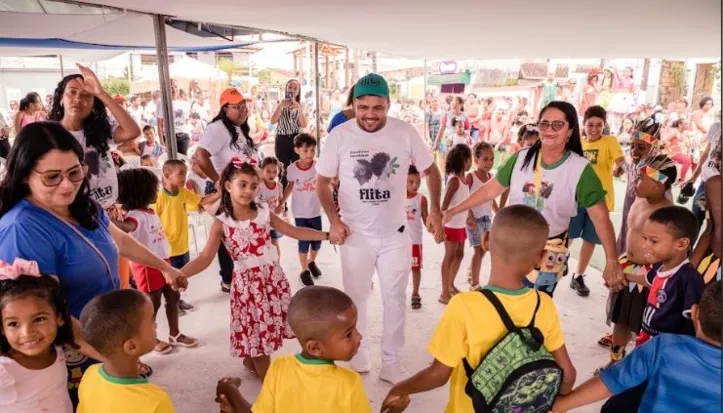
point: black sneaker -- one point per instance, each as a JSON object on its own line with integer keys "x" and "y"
{"x": 185, "y": 306}
{"x": 315, "y": 271}
{"x": 306, "y": 278}
{"x": 577, "y": 283}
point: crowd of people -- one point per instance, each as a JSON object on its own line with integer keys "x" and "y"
{"x": 90, "y": 247}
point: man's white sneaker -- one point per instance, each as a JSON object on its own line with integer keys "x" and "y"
{"x": 393, "y": 373}
{"x": 360, "y": 362}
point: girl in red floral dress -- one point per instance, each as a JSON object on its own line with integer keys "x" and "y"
{"x": 260, "y": 292}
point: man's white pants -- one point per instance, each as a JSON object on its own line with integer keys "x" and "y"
{"x": 391, "y": 257}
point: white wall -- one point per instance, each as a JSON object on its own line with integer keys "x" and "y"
{"x": 23, "y": 81}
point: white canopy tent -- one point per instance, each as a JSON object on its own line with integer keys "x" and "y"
{"x": 475, "y": 29}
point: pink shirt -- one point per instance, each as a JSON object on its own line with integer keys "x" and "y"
{"x": 34, "y": 391}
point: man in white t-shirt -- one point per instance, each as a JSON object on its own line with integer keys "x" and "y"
{"x": 181, "y": 110}
{"x": 370, "y": 157}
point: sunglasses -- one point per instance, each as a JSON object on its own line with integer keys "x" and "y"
{"x": 55, "y": 178}
{"x": 555, "y": 125}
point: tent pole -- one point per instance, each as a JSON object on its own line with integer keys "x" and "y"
{"x": 62, "y": 69}
{"x": 318, "y": 96}
{"x": 424, "y": 88}
{"x": 164, "y": 78}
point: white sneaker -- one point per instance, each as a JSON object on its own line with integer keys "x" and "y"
{"x": 360, "y": 362}
{"x": 393, "y": 373}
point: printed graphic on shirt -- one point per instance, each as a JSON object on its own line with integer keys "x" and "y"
{"x": 411, "y": 212}
{"x": 531, "y": 199}
{"x": 99, "y": 168}
{"x": 373, "y": 171}
{"x": 591, "y": 155}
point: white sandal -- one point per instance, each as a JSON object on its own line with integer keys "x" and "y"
{"x": 174, "y": 341}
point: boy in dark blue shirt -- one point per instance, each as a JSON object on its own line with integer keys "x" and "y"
{"x": 683, "y": 373}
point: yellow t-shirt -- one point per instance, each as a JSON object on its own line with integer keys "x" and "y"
{"x": 602, "y": 155}
{"x": 102, "y": 393}
{"x": 297, "y": 384}
{"x": 172, "y": 210}
{"x": 470, "y": 327}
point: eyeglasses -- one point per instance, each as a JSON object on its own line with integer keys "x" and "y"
{"x": 241, "y": 107}
{"x": 55, "y": 178}
{"x": 555, "y": 125}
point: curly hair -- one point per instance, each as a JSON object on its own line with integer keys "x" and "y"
{"x": 96, "y": 127}
{"x": 137, "y": 188}
{"x": 228, "y": 174}
{"x": 45, "y": 288}
{"x": 457, "y": 159}
{"x": 32, "y": 143}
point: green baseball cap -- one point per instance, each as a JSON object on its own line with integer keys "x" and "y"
{"x": 371, "y": 84}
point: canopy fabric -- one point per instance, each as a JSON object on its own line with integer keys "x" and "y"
{"x": 475, "y": 29}
{"x": 25, "y": 34}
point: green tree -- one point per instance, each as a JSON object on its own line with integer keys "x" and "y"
{"x": 227, "y": 66}
{"x": 116, "y": 86}
{"x": 265, "y": 76}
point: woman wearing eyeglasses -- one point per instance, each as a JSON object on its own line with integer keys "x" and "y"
{"x": 553, "y": 177}
{"x": 48, "y": 215}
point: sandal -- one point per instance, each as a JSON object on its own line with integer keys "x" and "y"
{"x": 182, "y": 341}
{"x": 225, "y": 288}
{"x": 144, "y": 370}
{"x": 162, "y": 347}
{"x": 416, "y": 302}
{"x": 606, "y": 341}
{"x": 475, "y": 287}
{"x": 443, "y": 300}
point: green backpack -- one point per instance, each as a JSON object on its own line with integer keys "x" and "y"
{"x": 518, "y": 375}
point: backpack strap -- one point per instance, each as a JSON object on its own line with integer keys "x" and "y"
{"x": 537, "y": 307}
{"x": 501, "y": 309}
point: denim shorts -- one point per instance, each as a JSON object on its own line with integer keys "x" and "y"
{"x": 475, "y": 236}
{"x": 313, "y": 223}
{"x": 180, "y": 260}
{"x": 275, "y": 234}
{"x": 581, "y": 226}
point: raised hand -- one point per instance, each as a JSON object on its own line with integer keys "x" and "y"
{"x": 90, "y": 82}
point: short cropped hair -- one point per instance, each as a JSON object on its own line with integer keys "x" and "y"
{"x": 313, "y": 310}
{"x": 518, "y": 231}
{"x": 112, "y": 318}
{"x": 710, "y": 311}
{"x": 147, "y": 127}
{"x": 413, "y": 170}
{"x": 679, "y": 220}
{"x": 304, "y": 140}
{"x": 171, "y": 165}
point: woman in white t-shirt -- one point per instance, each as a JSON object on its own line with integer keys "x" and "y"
{"x": 225, "y": 138}
{"x": 553, "y": 177}
{"x": 80, "y": 106}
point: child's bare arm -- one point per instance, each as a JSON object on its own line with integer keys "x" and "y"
{"x": 637, "y": 279}
{"x": 209, "y": 199}
{"x": 287, "y": 193}
{"x": 703, "y": 244}
{"x": 427, "y": 379}
{"x": 304, "y": 234}
{"x": 503, "y": 198}
{"x": 127, "y": 225}
{"x": 569, "y": 374}
{"x": 452, "y": 187}
{"x": 589, "y": 392}
{"x": 209, "y": 252}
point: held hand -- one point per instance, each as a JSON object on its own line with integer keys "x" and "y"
{"x": 614, "y": 277}
{"x": 338, "y": 232}
{"x": 471, "y": 223}
{"x": 435, "y": 224}
{"x": 395, "y": 403}
{"x": 225, "y": 387}
{"x": 90, "y": 82}
{"x": 175, "y": 278}
{"x": 446, "y": 217}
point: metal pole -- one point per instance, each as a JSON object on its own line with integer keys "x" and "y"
{"x": 164, "y": 78}
{"x": 318, "y": 97}
{"x": 424, "y": 88}
{"x": 62, "y": 69}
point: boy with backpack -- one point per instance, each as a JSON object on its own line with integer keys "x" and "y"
{"x": 502, "y": 346}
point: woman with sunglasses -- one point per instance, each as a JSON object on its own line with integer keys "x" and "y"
{"x": 48, "y": 215}
{"x": 553, "y": 177}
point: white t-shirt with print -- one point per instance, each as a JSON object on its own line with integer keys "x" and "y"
{"x": 103, "y": 177}
{"x": 304, "y": 200}
{"x": 372, "y": 170}
{"x": 271, "y": 196}
{"x": 217, "y": 142}
{"x": 149, "y": 231}
{"x": 181, "y": 110}
{"x": 413, "y": 210}
{"x": 557, "y": 198}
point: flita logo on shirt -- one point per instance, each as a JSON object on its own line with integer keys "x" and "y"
{"x": 373, "y": 173}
